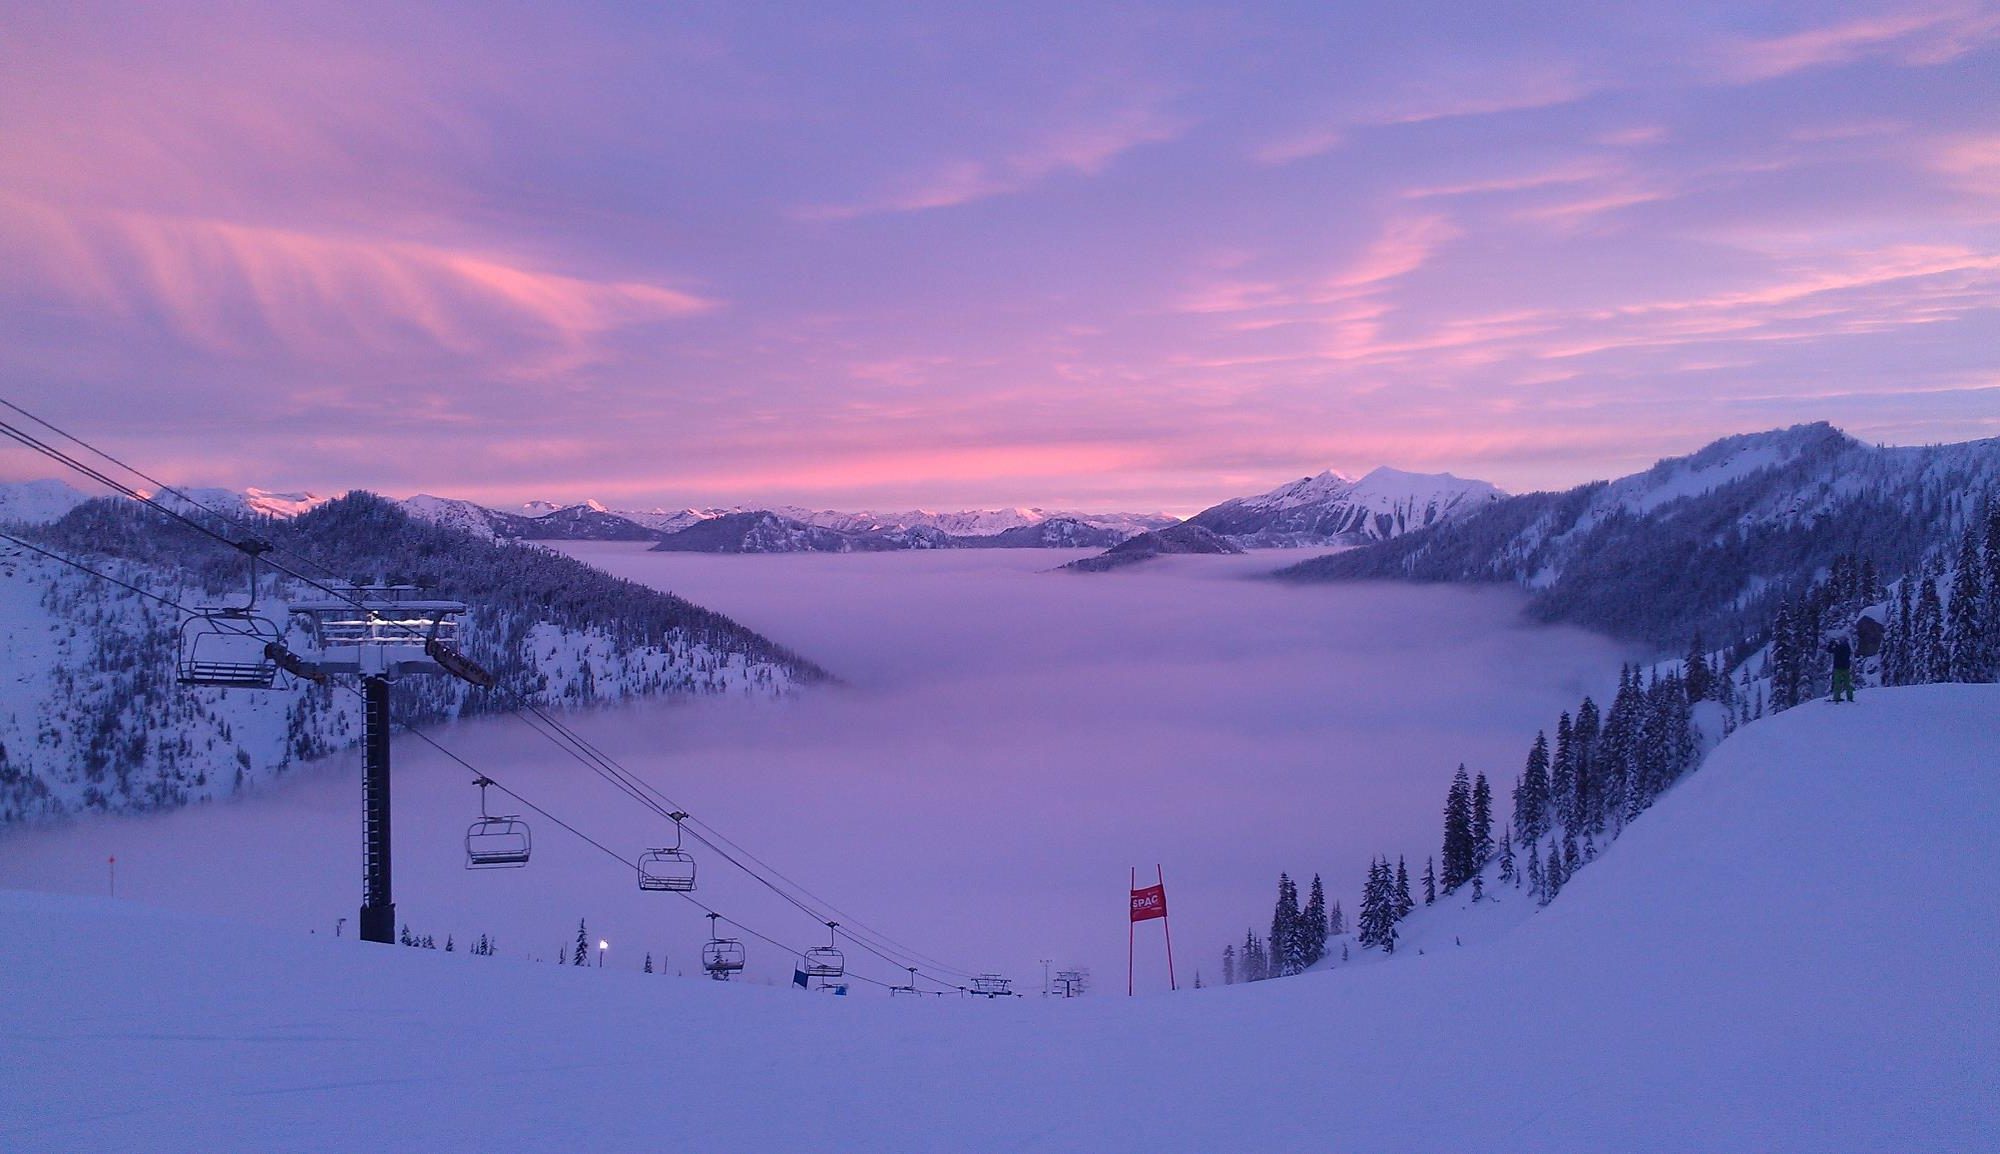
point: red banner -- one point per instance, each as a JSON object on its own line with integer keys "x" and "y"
{"x": 1149, "y": 903}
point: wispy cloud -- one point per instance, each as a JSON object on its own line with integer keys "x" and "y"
{"x": 1423, "y": 103}
{"x": 232, "y": 288}
{"x": 1082, "y": 149}
{"x": 1924, "y": 36}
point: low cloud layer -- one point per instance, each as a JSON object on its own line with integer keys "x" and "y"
{"x": 1007, "y": 744}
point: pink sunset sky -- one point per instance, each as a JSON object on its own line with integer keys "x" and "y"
{"x": 1142, "y": 257}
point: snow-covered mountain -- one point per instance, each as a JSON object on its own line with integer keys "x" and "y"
{"x": 37, "y": 502}
{"x": 1185, "y": 537}
{"x": 91, "y": 717}
{"x": 1712, "y": 541}
{"x": 1331, "y": 509}
{"x": 740, "y": 530}
{"x": 244, "y": 502}
{"x": 1784, "y": 955}
{"x": 767, "y": 531}
{"x": 973, "y": 523}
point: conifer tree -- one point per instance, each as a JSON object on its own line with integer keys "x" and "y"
{"x": 1965, "y": 628}
{"x": 1313, "y": 926}
{"x": 1990, "y": 561}
{"x": 1552, "y": 875}
{"x": 1562, "y": 776}
{"x": 1507, "y": 873}
{"x": 1251, "y": 959}
{"x": 1378, "y": 907}
{"x": 1336, "y": 922}
{"x": 1430, "y": 881}
{"x": 1284, "y": 929}
{"x": 1457, "y": 854}
{"x": 582, "y": 954}
{"x": 1534, "y": 869}
{"x": 447, "y": 943}
{"x": 1229, "y": 965}
{"x": 1531, "y": 795}
{"x": 1586, "y": 736}
{"x": 1696, "y": 669}
{"x": 1482, "y": 823}
{"x": 1929, "y": 661}
{"x": 1404, "y": 904}
{"x": 1896, "y": 639}
{"x": 1784, "y": 662}
{"x": 649, "y": 961}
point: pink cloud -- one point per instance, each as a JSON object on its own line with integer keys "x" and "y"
{"x": 1405, "y": 244}
{"x": 1971, "y": 163}
{"x": 1422, "y": 103}
{"x": 1577, "y": 172}
{"x": 1922, "y": 37}
{"x": 226, "y": 286}
{"x": 1082, "y": 149}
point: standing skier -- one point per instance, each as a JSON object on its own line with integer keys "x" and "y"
{"x": 1843, "y": 667}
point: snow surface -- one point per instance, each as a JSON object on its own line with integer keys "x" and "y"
{"x": 1791, "y": 951}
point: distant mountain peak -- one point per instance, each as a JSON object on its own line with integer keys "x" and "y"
{"x": 1334, "y": 509}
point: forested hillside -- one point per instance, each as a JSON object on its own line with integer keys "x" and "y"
{"x": 1711, "y": 543}
{"x": 93, "y": 718}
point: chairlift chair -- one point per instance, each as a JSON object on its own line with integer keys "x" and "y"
{"x": 825, "y": 961}
{"x": 495, "y": 842}
{"x": 228, "y": 649}
{"x": 231, "y": 647}
{"x": 669, "y": 868}
{"x": 721, "y": 957}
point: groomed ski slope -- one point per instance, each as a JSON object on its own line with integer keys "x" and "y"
{"x": 1794, "y": 950}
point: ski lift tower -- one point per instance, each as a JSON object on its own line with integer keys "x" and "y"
{"x": 379, "y": 633}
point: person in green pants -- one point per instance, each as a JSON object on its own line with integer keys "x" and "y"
{"x": 1843, "y": 668}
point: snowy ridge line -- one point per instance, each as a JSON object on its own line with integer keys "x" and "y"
{"x": 1712, "y": 541}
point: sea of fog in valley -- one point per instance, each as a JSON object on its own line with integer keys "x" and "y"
{"x": 1004, "y": 745}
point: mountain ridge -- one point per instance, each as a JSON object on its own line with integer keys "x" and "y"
{"x": 1711, "y": 541}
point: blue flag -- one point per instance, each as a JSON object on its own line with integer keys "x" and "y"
{"x": 799, "y": 979}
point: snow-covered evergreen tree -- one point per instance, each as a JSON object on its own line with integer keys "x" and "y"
{"x": 1531, "y": 792}
{"x": 1285, "y": 937}
{"x": 1313, "y": 926}
{"x": 1930, "y": 660}
{"x": 1965, "y": 625}
{"x": 1377, "y": 924}
{"x": 1482, "y": 823}
{"x": 1458, "y": 846}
